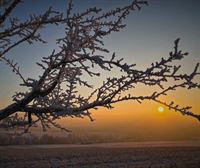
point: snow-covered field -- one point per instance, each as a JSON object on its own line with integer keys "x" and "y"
{"x": 116, "y": 155}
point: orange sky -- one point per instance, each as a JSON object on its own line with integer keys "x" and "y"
{"x": 143, "y": 121}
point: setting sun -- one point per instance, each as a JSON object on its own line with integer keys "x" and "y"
{"x": 160, "y": 109}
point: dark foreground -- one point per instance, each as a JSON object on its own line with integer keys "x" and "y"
{"x": 101, "y": 156}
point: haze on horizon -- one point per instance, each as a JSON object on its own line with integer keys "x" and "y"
{"x": 149, "y": 35}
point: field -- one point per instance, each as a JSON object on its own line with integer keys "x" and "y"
{"x": 118, "y": 155}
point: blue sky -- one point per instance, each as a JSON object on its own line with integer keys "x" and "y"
{"x": 148, "y": 36}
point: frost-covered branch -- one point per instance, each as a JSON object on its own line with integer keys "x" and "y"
{"x": 55, "y": 93}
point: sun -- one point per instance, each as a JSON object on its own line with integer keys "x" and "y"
{"x": 160, "y": 109}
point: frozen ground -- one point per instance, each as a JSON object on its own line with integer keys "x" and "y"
{"x": 115, "y": 155}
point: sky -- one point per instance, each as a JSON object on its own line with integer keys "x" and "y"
{"x": 149, "y": 35}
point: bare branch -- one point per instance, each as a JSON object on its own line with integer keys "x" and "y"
{"x": 55, "y": 93}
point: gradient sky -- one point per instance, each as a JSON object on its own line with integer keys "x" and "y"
{"x": 149, "y": 35}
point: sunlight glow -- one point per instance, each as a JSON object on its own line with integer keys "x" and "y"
{"x": 160, "y": 109}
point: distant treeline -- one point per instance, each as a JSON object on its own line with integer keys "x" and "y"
{"x": 31, "y": 139}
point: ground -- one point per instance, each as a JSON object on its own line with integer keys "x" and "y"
{"x": 114, "y": 156}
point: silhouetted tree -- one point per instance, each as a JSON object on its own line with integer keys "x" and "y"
{"x": 54, "y": 94}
